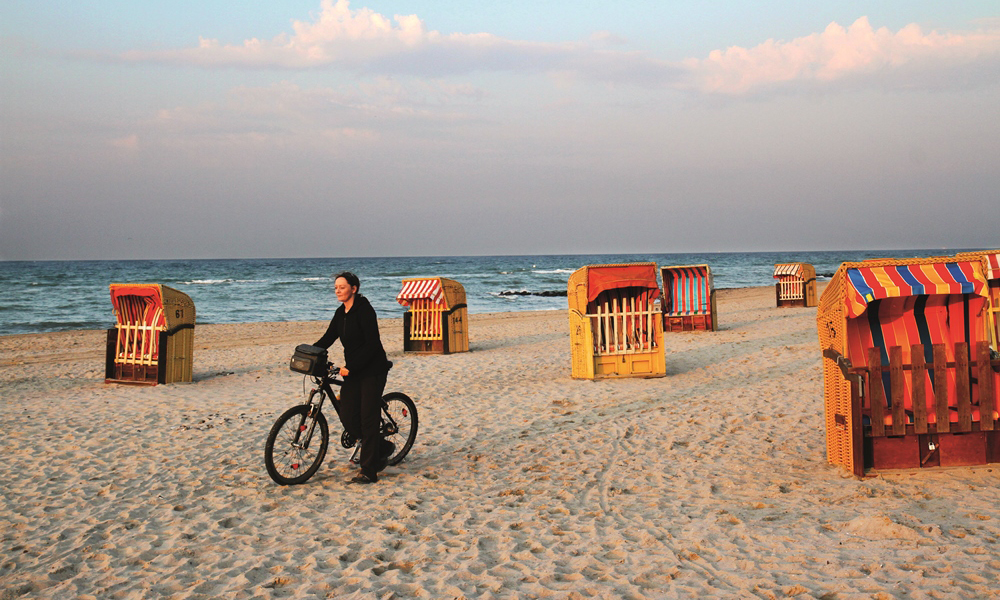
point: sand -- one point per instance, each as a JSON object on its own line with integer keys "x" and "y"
{"x": 709, "y": 482}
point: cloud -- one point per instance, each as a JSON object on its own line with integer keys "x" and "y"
{"x": 338, "y": 37}
{"x": 365, "y": 41}
{"x": 369, "y": 43}
{"x": 855, "y": 53}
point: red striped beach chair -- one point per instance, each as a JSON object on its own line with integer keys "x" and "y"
{"x": 436, "y": 320}
{"x": 796, "y": 285}
{"x": 153, "y": 337}
{"x": 688, "y": 301}
{"x": 908, "y": 374}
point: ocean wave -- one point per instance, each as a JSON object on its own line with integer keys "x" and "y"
{"x": 551, "y": 271}
{"x": 205, "y": 281}
{"x": 522, "y": 292}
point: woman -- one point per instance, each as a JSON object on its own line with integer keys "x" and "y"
{"x": 365, "y": 370}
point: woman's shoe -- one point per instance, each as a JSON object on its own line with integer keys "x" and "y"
{"x": 362, "y": 478}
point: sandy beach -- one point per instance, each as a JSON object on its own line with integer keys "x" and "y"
{"x": 523, "y": 483}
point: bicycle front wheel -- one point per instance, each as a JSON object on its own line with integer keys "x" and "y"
{"x": 296, "y": 445}
{"x": 399, "y": 424}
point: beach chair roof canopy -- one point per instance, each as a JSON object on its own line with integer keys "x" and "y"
{"x": 150, "y": 299}
{"x": 867, "y": 284}
{"x": 146, "y": 290}
{"x": 789, "y": 269}
{"x": 601, "y": 278}
{"x": 414, "y": 289}
{"x": 152, "y": 304}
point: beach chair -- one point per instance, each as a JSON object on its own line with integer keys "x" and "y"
{"x": 616, "y": 329}
{"x": 796, "y": 285}
{"x": 436, "y": 320}
{"x": 153, "y": 338}
{"x": 688, "y": 301}
{"x": 909, "y": 380}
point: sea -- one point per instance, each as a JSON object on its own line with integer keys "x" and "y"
{"x": 47, "y": 296}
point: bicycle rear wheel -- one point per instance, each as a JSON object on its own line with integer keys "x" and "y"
{"x": 289, "y": 457}
{"x": 399, "y": 424}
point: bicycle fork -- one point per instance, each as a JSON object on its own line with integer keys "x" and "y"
{"x": 304, "y": 435}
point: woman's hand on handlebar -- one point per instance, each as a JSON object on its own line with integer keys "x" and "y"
{"x": 344, "y": 372}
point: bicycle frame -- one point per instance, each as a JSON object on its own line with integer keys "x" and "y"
{"x": 323, "y": 389}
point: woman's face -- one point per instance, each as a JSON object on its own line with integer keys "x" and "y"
{"x": 344, "y": 290}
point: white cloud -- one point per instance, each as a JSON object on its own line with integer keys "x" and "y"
{"x": 365, "y": 41}
{"x": 851, "y": 53}
{"x": 338, "y": 36}
{"x": 369, "y": 43}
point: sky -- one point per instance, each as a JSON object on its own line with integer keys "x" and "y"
{"x": 310, "y": 128}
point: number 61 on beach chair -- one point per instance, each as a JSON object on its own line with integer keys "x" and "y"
{"x": 616, "y": 328}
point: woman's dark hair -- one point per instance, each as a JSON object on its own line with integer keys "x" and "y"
{"x": 352, "y": 279}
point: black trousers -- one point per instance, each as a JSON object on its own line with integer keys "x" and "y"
{"x": 361, "y": 414}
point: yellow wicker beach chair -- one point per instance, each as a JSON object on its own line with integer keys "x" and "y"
{"x": 616, "y": 329}
{"x": 796, "y": 285}
{"x": 436, "y": 322}
{"x": 153, "y": 338}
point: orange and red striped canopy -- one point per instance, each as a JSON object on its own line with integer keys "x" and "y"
{"x": 868, "y": 284}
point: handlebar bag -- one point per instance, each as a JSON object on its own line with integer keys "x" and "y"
{"x": 310, "y": 360}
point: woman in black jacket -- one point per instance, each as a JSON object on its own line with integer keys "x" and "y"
{"x": 365, "y": 370}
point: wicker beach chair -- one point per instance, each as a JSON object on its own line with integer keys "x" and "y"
{"x": 616, "y": 329}
{"x": 153, "y": 338}
{"x": 796, "y": 284}
{"x": 688, "y": 301}
{"x": 436, "y": 322}
{"x": 908, "y": 376}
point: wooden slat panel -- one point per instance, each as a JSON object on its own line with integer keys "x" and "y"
{"x": 919, "y": 375}
{"x": 962, "y": 389}
{"x": 876, "y": 394}
{"x": 896, "y": 390}
{"x": 987, "y": 399}
{"x": 941, "y": 389}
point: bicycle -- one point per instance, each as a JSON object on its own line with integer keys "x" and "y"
{"x": 292, "y": 454}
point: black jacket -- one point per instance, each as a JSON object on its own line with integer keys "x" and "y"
{"x": 357, "y": 330}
